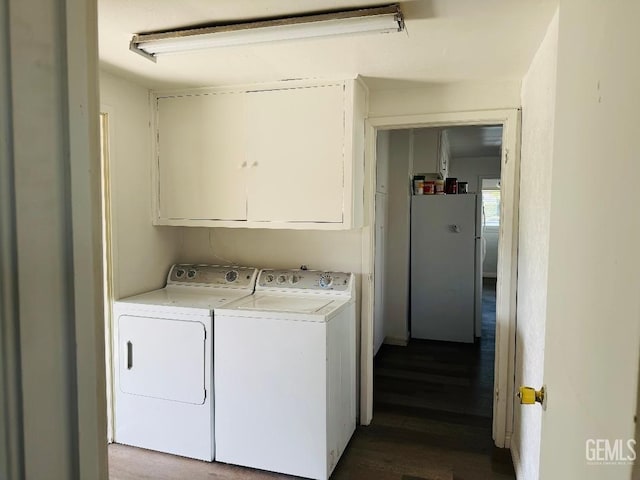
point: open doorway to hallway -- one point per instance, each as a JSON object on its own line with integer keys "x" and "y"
{"x": 435, "y": 298}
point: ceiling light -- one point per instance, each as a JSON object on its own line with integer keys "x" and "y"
{"x": 368, "y": 20}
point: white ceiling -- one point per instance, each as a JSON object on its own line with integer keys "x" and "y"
{"x": 446, "y": 41}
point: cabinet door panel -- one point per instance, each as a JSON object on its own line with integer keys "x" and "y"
{"x": 201, "y": 152}
{"x": 425, "y": 150}
{"x": 296, "y": 154}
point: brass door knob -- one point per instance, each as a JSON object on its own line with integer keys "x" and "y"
{"x": 529, "y": 396}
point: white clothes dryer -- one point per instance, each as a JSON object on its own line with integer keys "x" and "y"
{"x": 285, "y": 373}
{"x": 163, "y": 378}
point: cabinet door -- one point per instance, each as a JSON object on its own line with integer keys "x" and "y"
{"x": 425, "y": 150}
{"x": 296, "y": 154}
{"x": 201, "y": 157}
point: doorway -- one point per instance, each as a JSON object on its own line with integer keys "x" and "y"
{"x": 505, "y": 287}
{"x": 439, "y": 243}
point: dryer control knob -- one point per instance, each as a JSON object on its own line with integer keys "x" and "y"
{"x": 282, "y": 279}
{"x": 269, "y": 278}
{"x": 231, "y": 276}
{"x": 191, "y": 274}
{"x": 325, "y": 280}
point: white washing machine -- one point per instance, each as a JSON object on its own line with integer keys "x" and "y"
{"x": 163, "y": 377}
{"x": 285, "y": 373}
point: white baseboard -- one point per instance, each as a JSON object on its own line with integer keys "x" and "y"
{"x": 401, "y": 342}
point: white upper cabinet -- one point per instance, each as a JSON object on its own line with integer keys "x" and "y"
{"x": 426, "y": 143}
{"x": 200, "y": 157}
{"x": 289, "y": 155}
{"x": 296, "y": 161}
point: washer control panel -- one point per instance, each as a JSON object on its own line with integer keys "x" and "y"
{"x": 211, "y": 275}
{"x": 305, "y": 280}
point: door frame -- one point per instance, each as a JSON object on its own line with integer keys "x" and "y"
{"x": 506, "y": 285}
{"x": 480, "y": 179}
{"x": 106, "y": 130}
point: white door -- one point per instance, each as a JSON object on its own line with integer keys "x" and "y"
{"x": 162, "y": 358}
{"x": 296, "y": 154}
{"x": 201, "y": 157}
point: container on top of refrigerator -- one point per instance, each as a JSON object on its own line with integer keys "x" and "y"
{"x": 418, "y": 184}
{"x": 451, "y": 186}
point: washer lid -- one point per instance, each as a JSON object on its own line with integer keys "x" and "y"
{"x": 275, "y": 303}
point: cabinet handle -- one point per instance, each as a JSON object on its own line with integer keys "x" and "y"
{"x": 255, "y": 164}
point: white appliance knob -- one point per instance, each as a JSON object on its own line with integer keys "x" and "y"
{"x": 231, "y": 276}
{"x": 180, "y": 273}
{"x": 191, "y": 274}
{"x": 270, "y": 278}
{"x": 282, "y": 279}
{"x": 325, "y": 281}
{"x": 294, "y": 279}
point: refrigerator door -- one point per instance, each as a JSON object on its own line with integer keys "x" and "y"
{"x": 443, "y": 267}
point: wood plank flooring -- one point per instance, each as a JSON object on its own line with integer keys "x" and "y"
{"x": 432, "y": 421}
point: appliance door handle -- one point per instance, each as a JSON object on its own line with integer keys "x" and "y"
{"x": 129, "y": 355}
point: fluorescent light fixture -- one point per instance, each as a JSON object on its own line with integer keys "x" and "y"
{"x": 367, "y": 20}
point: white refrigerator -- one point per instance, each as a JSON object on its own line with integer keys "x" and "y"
{"x": 446, "y": 273}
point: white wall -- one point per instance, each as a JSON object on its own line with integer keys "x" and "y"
{"x": 445, "y": 97}
{"x": 490, "y": 264}
{"x": 396, "y": 300}
{"x": 319, "y": 250}
{"x": 592, "y": 336}
{"x": 468, "y": 169}
{"x": 142, "y": 253}
{"x": 538, "y": 109}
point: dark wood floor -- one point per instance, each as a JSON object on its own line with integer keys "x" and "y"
{"x": 432, "y": 412}
{"x": 432, "y": 421}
